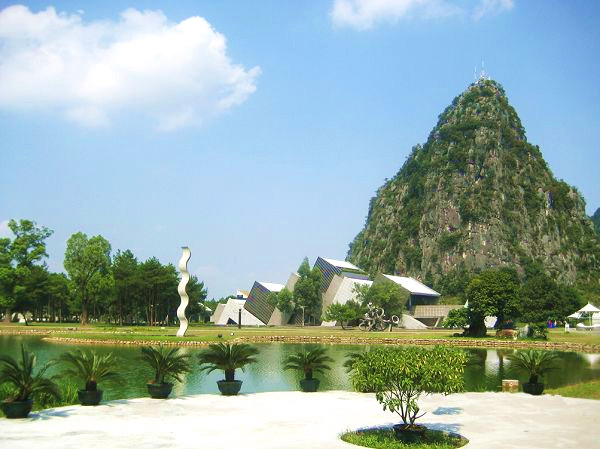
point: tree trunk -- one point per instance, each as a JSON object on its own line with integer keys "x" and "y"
{"x": 229, "y": 375}
{"x": 85, "y": 319}
{"x": 7, "y": 315}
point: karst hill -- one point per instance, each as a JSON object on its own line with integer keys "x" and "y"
{"x": 477, "y": 195}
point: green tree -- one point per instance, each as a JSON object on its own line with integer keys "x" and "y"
{"x": 399, "y": 376}
{"x": 58, "y": 296}
{"x": 542, "y": 299}
{"x": 84, "y": 259}
{"x": 386, "y": 295}
{"x": 283, "y": 300}
{"x": 159, "y": 286}
{"x": 343, "y": 313}
{"x": 457, "y": 318}
{"x": 308, "y": 291}
{"x": 197, "y": 294}
{"x": 127, "y": 296}
{"x": 17, "y": 258}
{"x": 491, "y": 293}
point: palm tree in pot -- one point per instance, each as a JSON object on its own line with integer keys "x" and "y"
{"x": 24, "y": 384}
{"x": 90, "y": 368}
{"x": 535, "y": 364}
{"x": 167, "y": 364}
{"x": 312, "y": 361}
{"x": 227, "y": 357}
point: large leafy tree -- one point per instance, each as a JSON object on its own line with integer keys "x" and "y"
{"x": 492, "y": 293}
{"x": 308, "y": 291}
{"x": 344, "y": 313}
{"x": 159, "y": 289}
{"x": 283, "y": 300}
{"x": 197, "y": 294}
{"x": 542, "y": 299}
{"x": 17, "y": 259}
{"x": 58, "y": 296}
{"x": 84, "y": 259}
{"x": 125, "y": 270}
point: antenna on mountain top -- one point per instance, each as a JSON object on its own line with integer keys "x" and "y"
{"x": 483, "y": 75}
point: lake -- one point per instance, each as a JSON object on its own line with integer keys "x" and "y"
{"x": 484, "y": 373}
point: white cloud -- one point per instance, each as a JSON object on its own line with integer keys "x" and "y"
{"x": 365, "y": 14}
{"x": 492, "y": 7}
{"x": 177, "y": 73}
{"x": 5, "y": 231}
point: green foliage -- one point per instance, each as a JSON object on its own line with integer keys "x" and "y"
{"x": 283, "y": 300}
{"x": 492, "y": 293}
{"x": 18, "y": 265}
{"x": 386, "y": 439}
{"x": 227, "y": 357}
{"x": 457, "y": 318}
{"x": 449, "y": 240}
{"x": 87, "y": 262}
{"x": 538, "y": 330}
{"x": 21, "y": 380}
{"x": 596, "y": 221}
{"x": 89, "y": 367}
{"x": 308, "y": 291}
{"x": 343, "y": 313}
{"x": 534, "y": 363}
{"x": 400, "y": 375}
{"x": 387, "y": 295}
{"x": 166, "y": 363}
{"x": 541, "y": 299}
{"x": 313, "y": 360}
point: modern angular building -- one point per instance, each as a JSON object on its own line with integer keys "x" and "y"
{"x": 416, "y": 292}
{"x": 258, "y": 300}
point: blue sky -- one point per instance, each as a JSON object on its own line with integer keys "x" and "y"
{"x": 257, "y": 131}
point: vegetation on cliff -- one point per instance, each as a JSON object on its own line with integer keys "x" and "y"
{"x": 477, "y": 195}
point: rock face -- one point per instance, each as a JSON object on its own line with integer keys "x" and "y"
{"x": 477, "y": 195}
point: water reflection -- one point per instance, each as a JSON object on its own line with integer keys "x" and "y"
{"x": 484, "y": 372}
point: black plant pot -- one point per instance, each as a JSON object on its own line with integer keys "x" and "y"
{"x": 535, "y": 389}
{"x": 89, "y": 397}
{"x": 410, "y": 433}
{"x": 16, "y": 409}
{"x": 159, "y": 391}
{"x": 229, "y": 387}
{"x": 309, "y": 385}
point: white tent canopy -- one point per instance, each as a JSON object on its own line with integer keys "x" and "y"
{"x": 589, "y": 308}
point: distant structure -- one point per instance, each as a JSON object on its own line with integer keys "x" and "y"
{"x": 185, "y": 277}
{"x": 258, "y": 300}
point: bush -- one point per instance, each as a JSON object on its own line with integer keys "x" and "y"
{"x": 400, "y": 375}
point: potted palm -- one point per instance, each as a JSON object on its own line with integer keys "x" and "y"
{"x": 167, "y": 364}
{"x": 25, "y": 385}
{"x": 90, "y": 368}
{"x": 309, "y": 362}
{"x": 535, "y": 364}
{"x": 227, "y": 357}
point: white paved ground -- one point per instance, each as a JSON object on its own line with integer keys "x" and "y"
{"x": 302, "y": 420}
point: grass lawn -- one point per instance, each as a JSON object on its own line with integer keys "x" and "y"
{"x": 209, "y": 333}
{"x": 584, "y": 390}
{"x": 385, "y": 439}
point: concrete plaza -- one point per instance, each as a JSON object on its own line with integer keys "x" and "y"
{"x": 302, "y": 420}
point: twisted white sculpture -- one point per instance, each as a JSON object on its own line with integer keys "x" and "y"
{"x": 185, "y": 277}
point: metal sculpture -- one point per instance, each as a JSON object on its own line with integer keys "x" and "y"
{"x": 185, "y": 277}
{"x": 375, "y": 320}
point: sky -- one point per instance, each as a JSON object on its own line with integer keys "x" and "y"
{"x": 255, "y": 132}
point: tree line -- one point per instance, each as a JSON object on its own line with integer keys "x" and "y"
{"x": 115, "y": 289}
{"x": 533, "y": 298}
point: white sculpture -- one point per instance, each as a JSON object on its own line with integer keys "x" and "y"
{"x": 185, "y": 277}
